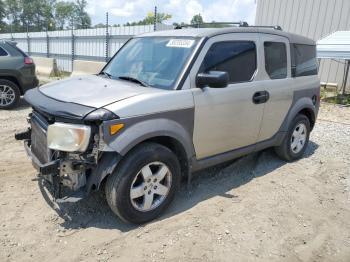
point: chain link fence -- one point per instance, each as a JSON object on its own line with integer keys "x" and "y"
{"x": 95, "y": 44}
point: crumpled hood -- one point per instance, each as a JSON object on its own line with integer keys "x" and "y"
{"x": 92, "y": 91}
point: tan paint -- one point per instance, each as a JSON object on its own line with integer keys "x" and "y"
{"x": 280, "y": 90}
{"x": 226, "y": 118}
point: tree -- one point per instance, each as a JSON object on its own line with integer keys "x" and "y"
{"x": 64, "y": 13}
{"x": 37, "y": 14}
{"x": 40, "y": 15}
{"x": 197, "y": 20}
{"x": 2, "y": 17}
{"x": 161, "y": 17}
{"x": 82, "y": 18}
{"x": 13, "y": 10}
{"x": 100, "y": 25}
{"x": 179, "y": 24}
{"x": 149, "y": 19}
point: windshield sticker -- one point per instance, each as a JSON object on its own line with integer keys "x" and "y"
{"x": 181, "y": 43}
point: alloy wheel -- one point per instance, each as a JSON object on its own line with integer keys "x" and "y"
{"x": 7, "y": 95}
{"x": 150, "y": 186}
{"x": 298, "y": 138}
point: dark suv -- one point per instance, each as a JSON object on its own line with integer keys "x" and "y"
{"x": 17, "y": 74}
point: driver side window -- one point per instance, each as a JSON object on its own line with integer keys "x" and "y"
{"x": 237, "y": 58}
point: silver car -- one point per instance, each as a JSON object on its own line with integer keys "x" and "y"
{"x": 170, "y": 103}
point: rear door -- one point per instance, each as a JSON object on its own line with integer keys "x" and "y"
{"x": 227, "y": 118}
{"x": 5, "y": 59}
{"x": 9, "y": 59}
{"x": 278, "y": 83}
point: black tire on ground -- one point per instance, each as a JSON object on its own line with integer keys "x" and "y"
{"x": 16, "y": 91}
{"x": 120, "y": 181}
{"x": 284, "y": 151}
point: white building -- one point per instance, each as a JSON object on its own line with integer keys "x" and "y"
{"x": 315, "y": 19}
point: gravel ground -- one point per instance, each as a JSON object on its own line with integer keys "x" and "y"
{"x": 257, "y": 208}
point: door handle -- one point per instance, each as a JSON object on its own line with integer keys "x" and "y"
{"x": 261, "y": 97}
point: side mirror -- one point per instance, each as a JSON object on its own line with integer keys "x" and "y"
{"x": 215, "y": 79}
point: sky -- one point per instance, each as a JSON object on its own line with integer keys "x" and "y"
{"x": 122, "y": 11}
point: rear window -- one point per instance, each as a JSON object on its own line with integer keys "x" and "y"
{"x": 237, "y": 58}
{"x": 2, "y": 52}
{"x": 14, "y": 46}
{"x": 304, "y": 62}
{"x": 275, "y": 59}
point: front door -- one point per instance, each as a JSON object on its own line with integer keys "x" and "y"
{"x": 228, "y": 118}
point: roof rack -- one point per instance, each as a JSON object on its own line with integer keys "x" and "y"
{"x": 276, "y": 27}
{"x": 239, "y": 24}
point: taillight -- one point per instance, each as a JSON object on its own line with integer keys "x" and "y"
{"x": 28, "y": 60}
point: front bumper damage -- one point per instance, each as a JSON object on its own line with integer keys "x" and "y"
{"x": 68, "y": 187}
{"x": 71, "y": 177}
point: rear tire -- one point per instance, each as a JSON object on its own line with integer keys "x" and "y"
{"x": 9, "y": 94}
{"x": 144, "y": 183}
{"x": 296, "y": 140}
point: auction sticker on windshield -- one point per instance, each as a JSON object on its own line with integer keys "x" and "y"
{"x": 181, "y": 43}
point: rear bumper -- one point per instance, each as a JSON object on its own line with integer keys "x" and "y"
{"x": 29, "y": 83}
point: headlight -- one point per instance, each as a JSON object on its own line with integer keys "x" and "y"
{"x": 68, "y": 137}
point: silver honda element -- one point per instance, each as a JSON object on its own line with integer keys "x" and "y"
{"x": 170, "y": 103}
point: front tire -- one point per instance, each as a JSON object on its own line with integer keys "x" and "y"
{"x": 9, "y": 94}
{"x": 296, "y": 140}
{"x": 144, "y": 183}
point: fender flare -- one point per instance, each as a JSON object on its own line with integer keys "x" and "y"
{"x": 106, "y": 165}
{"x": 301, "y": 104}
{"x": 135, "y": 134}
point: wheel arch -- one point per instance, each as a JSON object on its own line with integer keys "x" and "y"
{"x": 310, "y": 114}
{"x": 110, "y": 160}
{"x": 12, "y": 79}
{"x": 176, "y": 147}
{"x": 301, "y": 106}
{"x": 175, "y": 135}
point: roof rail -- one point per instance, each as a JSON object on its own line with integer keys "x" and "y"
{"x": 276, "y": 27}
{"x": 240, "y": 24}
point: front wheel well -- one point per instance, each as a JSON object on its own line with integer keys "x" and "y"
{"x": 310, "y": 115}
{"x": 178, "y": 149}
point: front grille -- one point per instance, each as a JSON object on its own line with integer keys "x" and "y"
{"x": 38, "y": 138}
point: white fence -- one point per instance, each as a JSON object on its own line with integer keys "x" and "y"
{"x": 98, "y": 44}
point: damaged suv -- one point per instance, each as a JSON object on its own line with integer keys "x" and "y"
{"x": 170, "y": 103}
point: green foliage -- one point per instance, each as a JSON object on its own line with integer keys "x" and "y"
{"x": 39, "y": 15}
{"x": 149, "y": 19}
{"x": 64, "y": 12}
{"x": 338, "y": 99}
{"x": 197, "y": 20}
{"x": 99, "y": 25}
{"x": 82, "y": 19}
{"x": 2, "y": 17}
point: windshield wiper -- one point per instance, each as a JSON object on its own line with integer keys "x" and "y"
{"x": 106, "y": 74}
{"x": 132, "y": 79}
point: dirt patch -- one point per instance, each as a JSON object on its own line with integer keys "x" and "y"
{"x": 257, "y": 208}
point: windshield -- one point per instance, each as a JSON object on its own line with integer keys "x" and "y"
{"x": 151, "y": 61}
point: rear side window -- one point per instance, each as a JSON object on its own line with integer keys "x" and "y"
{"x": 304, "y": 62}
{"x": 237, "y": 58}
{"x": 2, "y": 52}
{"x": 275, "y": 59}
